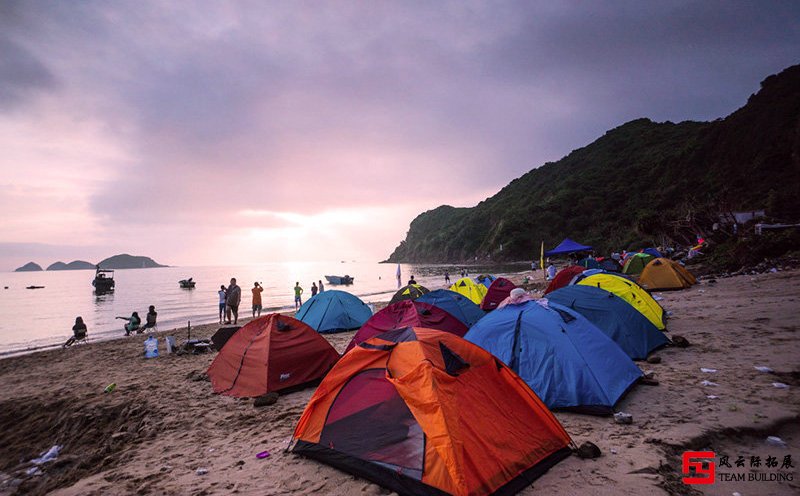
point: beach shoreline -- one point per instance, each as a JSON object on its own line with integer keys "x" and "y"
{"x": 163, "y": 425}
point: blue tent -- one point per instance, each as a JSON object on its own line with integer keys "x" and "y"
{"x": 626, "y": 326}
{"x": 334, "y": 311}
{"x": 610, "y": 265}
{"x": 457, "y": 305}
{"x": 653, "y": 251}
{"x": 485, "y": 279}
{"x": 589, "y": 263}
{"x": 586, "y": 273}
{"x": 568, "y": 362}
{"x": 567, "y": 246}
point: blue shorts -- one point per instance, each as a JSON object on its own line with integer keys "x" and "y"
{"x": 221, "y": 307}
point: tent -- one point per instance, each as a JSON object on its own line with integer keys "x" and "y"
{"x": 407, "y": 313}
{"x": 610, "y": 265}
{"x": 497, "y": 292}
{"x": 665, "y": 274}
{"x": 485, "y": 279}
{"x": 410, "y": 292}
{"x": 563, "y": 277}
{"x": 631, "y": 292}
{"x": 334, "y": 311}
{"x": 568, "y": 362}
{"x": 455, "y": 304}
{"x": 222, "y": 336}
{"x": 653, "y": 252}
{"x": 636, "y": 263}
{"x": 467, "y": 287}
{"x": 589, "y": 263}
{"x": 422, "y": 412}
{"x": 567, "y": 246}
{"x": 271, "y": 353}
{"x": 627, "y": 327}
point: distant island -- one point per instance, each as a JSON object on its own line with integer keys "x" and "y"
{"x": 29, "y": 267}
{"x": 74, "y": 265}
{"x": 123, "y": 261}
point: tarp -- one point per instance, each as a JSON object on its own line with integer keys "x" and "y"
{"x": 627, "y": 327}
{"x": 422, "y": 412}
{"x": 567, "y": 246}
{"x": 459, "y": 306}
{"x": 334, "y": 311}
{"x": 270, "y": 353}
{"x": 567, "y": 361}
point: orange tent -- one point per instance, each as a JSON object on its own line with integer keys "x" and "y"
{"x": 420, "y": 411}
{"x": 271, "y": 353}
{"x": 664, "y": 274}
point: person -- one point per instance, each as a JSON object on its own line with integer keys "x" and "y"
{"x": 233, "y": 296}
{"x": 133, "y": 323}
{"x": 551, "y": 271}
{"x": 321, "y": 287}
{"x": 257, "y": 290}
{"x": 314, "y": 289}
{"x": 298, "y": 291}
{"x": 446, "y": 277}
{"x": 222, "y": 297}
{"x": 78, "y": 331}
{"x": 150, "y": 318}
{"x": 412, "y": 281}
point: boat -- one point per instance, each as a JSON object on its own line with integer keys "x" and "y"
{"x": 34, "y": 287}
{"x": 339, "y": 279}
{"x": 187, "y": 283}
{"x": 103, "y": 280}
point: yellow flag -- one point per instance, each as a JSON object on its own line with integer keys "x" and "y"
{"x": 541, "y": 257}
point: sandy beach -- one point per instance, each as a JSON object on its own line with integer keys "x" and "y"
{"x": 163, "y": 422}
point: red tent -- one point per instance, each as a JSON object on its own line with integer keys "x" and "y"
{"x": 563, "y": 277}
{"x": 499, "y": 290}
{"x": 408, "y": 313}
{"x": 271, "y": 353}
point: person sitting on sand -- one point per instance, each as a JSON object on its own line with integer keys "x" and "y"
{"x": 551, "y": 271}
{"x": 133, "y": 323}
{"x": 150, "y": 319}
{"x": 79, "y": 331}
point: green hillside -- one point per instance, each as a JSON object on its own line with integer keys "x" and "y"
{"x": 643, "y": 182}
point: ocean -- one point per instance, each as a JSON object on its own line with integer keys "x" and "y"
{"x": 33, "y": 319}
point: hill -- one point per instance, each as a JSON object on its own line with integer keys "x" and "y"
{"x": 29, "y": 267}
{"x": 125, "y": 261}
{"x": 642, "y": 182}
{"x": 74, "y": 265}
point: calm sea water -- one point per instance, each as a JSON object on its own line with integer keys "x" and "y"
{"x": 32, "y": 319}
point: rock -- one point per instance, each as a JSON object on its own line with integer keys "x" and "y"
{"x": 680, "y": 342}
{"x": 266, "y": 400}
{"x": 654, "y": 359}
{"x": 588, "y": 450}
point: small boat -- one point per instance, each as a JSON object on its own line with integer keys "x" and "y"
{"x": 187, "y": 283}
{"x": 34, "y": 287}
{"x": 339, "y": 279}
{"x": 103, "y": 279}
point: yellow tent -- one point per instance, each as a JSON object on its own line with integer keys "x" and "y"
{"x": 630, "y": 292}
{"x": 663, "y": 273}
{"x": 469, "y": 288}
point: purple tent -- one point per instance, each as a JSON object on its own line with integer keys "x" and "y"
{"x": 567, "y": 246}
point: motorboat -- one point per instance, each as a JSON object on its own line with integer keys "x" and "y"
{"x": 346, "y": 279}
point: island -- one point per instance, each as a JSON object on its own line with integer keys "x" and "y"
{"x": 29, "y": 267}
{"x": 125, "y": 261}
{"x": 74, "y": 265}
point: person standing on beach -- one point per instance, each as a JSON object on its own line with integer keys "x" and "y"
{"x": 314, "y": 289}
{"x": 446, "y": 277}
{"x": 298, "y": 291}
{"x": 222, "y": 297}
{"x": 257, "y": 290}
{"x": 412, "y": 280}
{"x": 321, "y": 287}
{"x": 232, "y": 299}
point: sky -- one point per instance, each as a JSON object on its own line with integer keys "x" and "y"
{"x": 238, "y": 132}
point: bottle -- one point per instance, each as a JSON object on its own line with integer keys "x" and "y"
{"x": 151, "y": 347}
{"x": 110, "y": 388}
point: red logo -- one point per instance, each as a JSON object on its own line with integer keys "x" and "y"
{"x": 703, "y": 469}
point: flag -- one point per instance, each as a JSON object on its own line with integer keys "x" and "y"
{"x": 541, "y": 261}
{"x": 399, "y": 275}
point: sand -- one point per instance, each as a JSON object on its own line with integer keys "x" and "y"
{"x": 161, "y": 425}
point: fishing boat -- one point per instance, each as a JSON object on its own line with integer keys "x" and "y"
{"x": 339, "y": 279}
{"x": 186, "y": 283}
{"x": 103, "y": 280}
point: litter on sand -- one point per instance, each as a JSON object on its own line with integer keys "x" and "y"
{"x": 764, "y": 369}
{"x": 201, "y": 471}
{"x": 47, "y": 456}
{"x": 709, "y": 383}
{"x": 262, "y": 455}
{"x": 712, "y": 397}
{"x": 780, "y": 385}
{"x": 708, "y": 371}
{"x": 776, "y": 441}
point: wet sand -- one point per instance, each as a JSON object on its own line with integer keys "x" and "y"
{"x": 161, "y": 424}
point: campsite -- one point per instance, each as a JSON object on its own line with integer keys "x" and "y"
{"x": 164, "y": 425}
